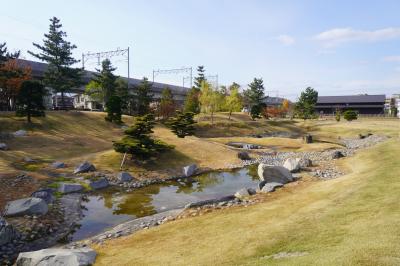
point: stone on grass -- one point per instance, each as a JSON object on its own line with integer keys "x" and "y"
{"x": 189, "y": 170}
{"x": 7, "y": 232}
{"x": 124, "y": 177}
{"x": 337, "y": 155}
{"x": 3, "y": 147}
{"x": 307, "y": 139}
{"x": 99, "y": 184}
{"x": 26, "y": 206}
{"x": 242, "y": 155}
{"x": 271, "y": 173}
{"x": 270, "y": 187}
{"x": 58, "y": 165}
{"x": 69, "y": 187}
{"x": 57, "y": 256}
{"x": 20, "y": 133}
{"x": 29, "y": 160}
{"x": 84, "y": 168}
{"x": 292, "y": 164}
{"x": 45, "y": 194}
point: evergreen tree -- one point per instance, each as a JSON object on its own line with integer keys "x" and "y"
{"x": 254, "y": 97}
{"x": 114, "y": 109}
{"x": 57, "y": 52}
{"x": 305, "y": 105}
{"x": 198, "y": 81}
{"x": 182, "y": 124}
{"x": 30, "y": 99}
{"x": 167, "y": 104}
{"x": 5, "y": 55}
{"x": 138, "y": 142}
{"x": 106, "y": 79}
{"x": 143, "y": 97}
{"x": 350, "y": 115}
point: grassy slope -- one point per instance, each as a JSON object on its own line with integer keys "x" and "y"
{"x": 352, "y": 220}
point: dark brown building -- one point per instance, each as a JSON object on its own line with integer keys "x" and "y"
{"x": 363, "y": 104}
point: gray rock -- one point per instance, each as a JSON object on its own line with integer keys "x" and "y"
{"x": 189, "y": 170}
{"x": 29, "y": 160}
{"x": 124, "y": 177}
{"x": 272, "y": 173}
{"x": 20, "y": 133}
{"x": 26, "y": 206}
{"x": 242, "y": 155}
{"x": 242, "y": 193}
{"x": 307, "y": 138}
{"x": 58, "y": 165}
{"x": 3, "y": 147}
{"x": 69, "y": 187}
{"x": 57, "y": 257}
{"x": 7, "y": 232}
{"x": 45, "y": 194}
{"x": 84, "y": 168}
{"x": 99, "y": 184}
{"x": 251, "y": 191}
{"x": 261, "y": 185}
{"x": 304, "y": 162}
{"x": 270, "y": 187}
{"x": 337, "y": 155}
{"x": 292, "y": 164}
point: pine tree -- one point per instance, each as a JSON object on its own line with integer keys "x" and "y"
{"x": 57, "y": 53}
{"x": 167, "y": 104}
{"x": 106, "y": 79}
{"x": 182, "y": 124}
{"x": 138, "y": 142}
{"x": 5, "y": 55}
{"x": 198, "y": 81}
{"x": 305, "y": 105}
{"x": 114, "y": 109}
{"x": 30, "y": 99}
{"x": 254, "y": 96}
{"x": 143, "y": 97}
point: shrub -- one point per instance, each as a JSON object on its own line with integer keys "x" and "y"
{"x": 337, "y": 115}
{"x": 350, "y": 115}
{"x": 182, "y": 124}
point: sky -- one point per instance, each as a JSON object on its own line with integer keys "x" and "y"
{"x": 337, "y": 47}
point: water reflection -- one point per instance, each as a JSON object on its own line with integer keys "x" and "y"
{"x": 111, "y": 207}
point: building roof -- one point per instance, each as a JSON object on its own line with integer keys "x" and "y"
{"x": 39, "y": 68}
{"x": 352, "y": 99}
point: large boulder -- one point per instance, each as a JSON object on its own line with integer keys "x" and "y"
{"x": 69, "y": 187}
{"x": 26, "y": 206}
{"x": 292, "y": 164}
{"x": 270, "y": 187}
{"x": 84, "y": 168}
{"x": 20, "y": 133}
{"x": 99, "y": 184}
{"x": 242, "y": 155}
{"x": 124, "y": 177}
{"x": 57, "y": 257}
{"x": 189, "y": 170}
{"x": 45, "y": 194}
{"x": 7, "y": 232}
{"x": 3, "y": 147}
{"x": 58, "y": 165}
{"x": 271, "y": 173}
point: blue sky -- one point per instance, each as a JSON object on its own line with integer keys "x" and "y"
{"x": 337, "y": 47}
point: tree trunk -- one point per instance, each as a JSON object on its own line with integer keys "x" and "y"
{"x": 62, "y": 101}
{"x": 212, "y": 117}
{"x": 230, "y": 113}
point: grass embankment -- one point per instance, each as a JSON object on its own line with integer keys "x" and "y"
{"x": 352, "y": 220}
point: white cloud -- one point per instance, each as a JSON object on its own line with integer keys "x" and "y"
{"x": 285, "y": 39}
{"x": 393, "y": 58}
{"x": 337, "y": 36}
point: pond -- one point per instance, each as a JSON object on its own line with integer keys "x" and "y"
{"x": 112, "y": 207}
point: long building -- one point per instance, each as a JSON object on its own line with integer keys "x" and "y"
{"x": 178, "y": 92}
{"x": 363, "y": 104}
